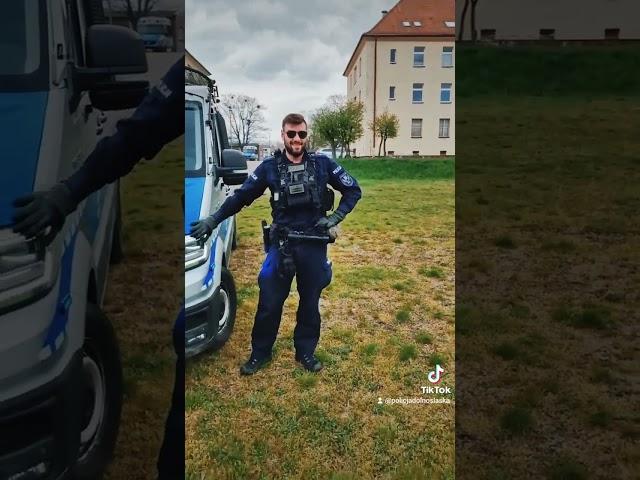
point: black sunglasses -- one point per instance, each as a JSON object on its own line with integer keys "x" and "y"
{"x": 292, "y": 134}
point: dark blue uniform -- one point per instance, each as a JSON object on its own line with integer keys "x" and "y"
{"x": 312, "y": 267}
{"x": 158, "y": 120}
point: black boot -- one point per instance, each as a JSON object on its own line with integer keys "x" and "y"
{"x": 254, "y": 364}
{"x": 309, "y": 362}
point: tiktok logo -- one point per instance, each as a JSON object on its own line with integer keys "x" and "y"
{"x": 435, "y": 375}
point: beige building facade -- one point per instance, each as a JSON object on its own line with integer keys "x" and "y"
{"x": 577, "y": 20}
{"x": 409, "y": 72}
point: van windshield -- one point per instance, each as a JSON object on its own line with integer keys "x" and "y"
{"x": 194, "y": 151}
{"x": 23, "y": 46}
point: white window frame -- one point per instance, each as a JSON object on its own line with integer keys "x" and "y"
{"x": 424, "y": 54}
{"x": 444, "y": 89}
{"x": 444, "y": 122}
{"x": 418, "y": 122}
{"x": 392, "y": 92}
{"x": 447, "y": 54}
{"x": 417, "y": 89}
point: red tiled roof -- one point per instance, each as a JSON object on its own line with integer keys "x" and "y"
{"x": 431, "y": 15}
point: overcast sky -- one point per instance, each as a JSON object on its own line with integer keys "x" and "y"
{"x": 290, "y": 55}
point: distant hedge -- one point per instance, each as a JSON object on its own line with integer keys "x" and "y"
{"x": 424, "y": 168}
{"x": 549, "y": 70}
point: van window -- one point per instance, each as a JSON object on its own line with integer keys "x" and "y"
{"x": 194, "y": 151}
{"x": 23, "y": 46}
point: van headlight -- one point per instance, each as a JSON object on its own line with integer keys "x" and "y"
{"x": 28, "y": 269}
{"x": 195, "y": 254}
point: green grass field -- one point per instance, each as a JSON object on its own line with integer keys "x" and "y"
{"x": 388, "y": 316}
{"x": 143, "y": 297}
{"x": 547, "y": 257}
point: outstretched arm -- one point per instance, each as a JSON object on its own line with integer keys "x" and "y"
{"x": 156, "y": 122}
{"x": 252, "y": 188}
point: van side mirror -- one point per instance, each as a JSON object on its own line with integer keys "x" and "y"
{"x": 113, "y": 50}
{"x": 233, "y": 162}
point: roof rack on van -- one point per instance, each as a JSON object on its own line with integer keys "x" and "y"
{"x": 196, "y": 77}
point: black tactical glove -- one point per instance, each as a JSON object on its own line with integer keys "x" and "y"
{"x": 330, "y": 221}
{"x": 35, "y": 212}
{"x": 201, "y": 229}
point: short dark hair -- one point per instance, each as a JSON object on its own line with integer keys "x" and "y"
{"x": 293, "y": 119}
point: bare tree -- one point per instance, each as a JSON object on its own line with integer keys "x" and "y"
{"x": 244, "y": 117}
{"x": 136, "y": 9}
{"x": 474, "y": 32}
{"x": 463, "y": 16}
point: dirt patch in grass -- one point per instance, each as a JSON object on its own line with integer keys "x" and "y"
{"x": 144, "y": 294}
{"x": 545, "y": 263}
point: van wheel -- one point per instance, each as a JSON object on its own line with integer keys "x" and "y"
{"x": 229, "y": 303}
{"x": 102, "y": 374}
{"x": 117, "y": 250}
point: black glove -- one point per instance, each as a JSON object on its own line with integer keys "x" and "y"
{"x": 35, "y": 212}
{"x": 201, "y": 229}
{"x": 330, "y": 221}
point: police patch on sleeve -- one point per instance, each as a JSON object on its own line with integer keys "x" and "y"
{"x": 346, "y": 179}
{"x": 253, "y": 175}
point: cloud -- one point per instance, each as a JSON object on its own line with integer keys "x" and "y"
{"x": 290, "y": 55}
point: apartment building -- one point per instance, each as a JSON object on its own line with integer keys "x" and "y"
{"x": 405, "y": 65}
{"x": 574, "y": 21}
{"x": 192, "y": 62}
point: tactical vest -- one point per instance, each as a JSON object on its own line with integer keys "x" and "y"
{"x": 297, "y": 186}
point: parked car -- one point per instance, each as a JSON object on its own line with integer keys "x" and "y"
{"x": 60, "y": 367}
{"x": 329, "y": 153}
{"x": 210, "y": 171}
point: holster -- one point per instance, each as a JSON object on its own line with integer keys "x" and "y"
{"x": 266, "y": 236}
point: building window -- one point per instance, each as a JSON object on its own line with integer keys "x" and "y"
{"x": 418, "y": 56}
{"x": 547, "y": 33}
{"x": 360, "y": 65}
{"x": 416, "y": 128}
{"x": 611, "y": 33}
{"x": 359, "y": 95}
{"x": 447, "y": 57}
{"x": 406, "y": 23}
{"x": 392, "y": 55}
{"x": 443, "y": 153}
{"x": 355, "y": 74}
{"x": 417, "y": 92}
{"x": 416, "y": 153}
{"x": 443, "y": 130}
{"x": 390, "y": 152}
{"x": 488, "y": 34}
{"x": 445, "y": 93}
{"x": 392, "y": 93}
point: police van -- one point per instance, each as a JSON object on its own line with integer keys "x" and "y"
{"x": 156, "y": 33}
{"x": 60, "y": 371}
{"x": 211, "y": 169}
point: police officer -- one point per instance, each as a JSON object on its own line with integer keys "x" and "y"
{"x": 158, "y": 120}
{"x": 297, "y": 181}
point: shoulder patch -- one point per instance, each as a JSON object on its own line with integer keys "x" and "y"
{"x": 254, "y": 176}
{"x": 337, "y": 169}
{"x": 346, "y": 179}
{"x": 164, "y": 90}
